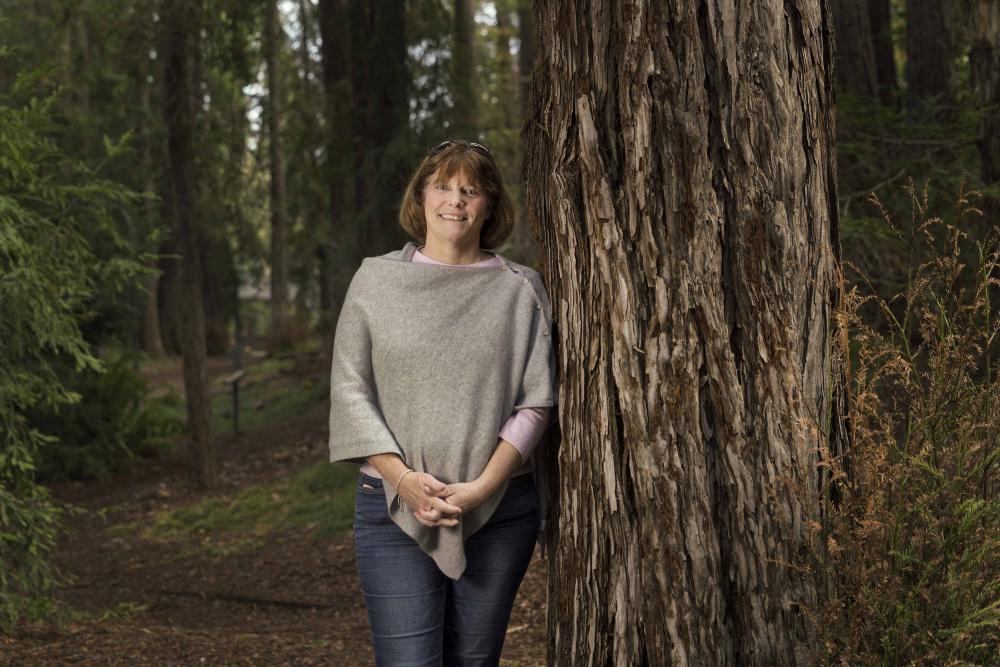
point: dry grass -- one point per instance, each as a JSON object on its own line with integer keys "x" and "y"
{"x": 911, "y": 553}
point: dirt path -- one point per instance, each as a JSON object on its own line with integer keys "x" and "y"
{"x": 294, "y": 600}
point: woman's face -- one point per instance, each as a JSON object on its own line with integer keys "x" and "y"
{"x": 454, "y": 209}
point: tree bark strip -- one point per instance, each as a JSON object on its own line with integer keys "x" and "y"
{"x": 984, "y": 61}
{"x": 684, "y": 191}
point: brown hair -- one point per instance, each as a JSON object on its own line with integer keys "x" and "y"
{"x": 484, "y": 174}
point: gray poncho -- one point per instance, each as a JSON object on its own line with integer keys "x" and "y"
{"x": 428, "y": 363}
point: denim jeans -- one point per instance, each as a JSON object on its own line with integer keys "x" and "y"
{"x": 419, "y": 616}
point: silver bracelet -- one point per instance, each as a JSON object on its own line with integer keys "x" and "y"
{"x": 400, "y": 480}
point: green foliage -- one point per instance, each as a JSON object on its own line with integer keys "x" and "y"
{"x": 914, "y": 550}
{"x": 48, "y": 274}
{"x": 115, "y": 421}
{"x": 320, "y": 498}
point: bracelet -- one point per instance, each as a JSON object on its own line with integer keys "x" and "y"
{"x": 400, "y": 480}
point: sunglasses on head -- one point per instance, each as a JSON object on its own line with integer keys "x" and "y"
{"x": 479, "y": 148}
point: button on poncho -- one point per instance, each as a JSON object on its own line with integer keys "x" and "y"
{"x": 428, "y": 363}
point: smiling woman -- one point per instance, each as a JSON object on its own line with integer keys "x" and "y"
{"x": 443, "y": 381}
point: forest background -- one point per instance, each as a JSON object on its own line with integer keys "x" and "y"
{"x": 186, "y": 188}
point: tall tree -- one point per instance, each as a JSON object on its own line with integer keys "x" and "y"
{"x": 855, "y": 48}
{"x": 929, "y": 53}
{"x": 380, "y": 89}
{"x": 984, "y": 60}
{"x": 339, "y": 160}
{"x": 526, "y": 52}
{"x": 178, "y": 20}
{"x": 683, "y": 178}
{"x": 273, "y": 43}
{"x": 880, "y": 20}
{"x": 464, "y": 71}
{"x": 152, "y": 340}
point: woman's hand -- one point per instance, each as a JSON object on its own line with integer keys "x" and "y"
{"x": 466, "y": 495}
{"x": 421, "y": 492}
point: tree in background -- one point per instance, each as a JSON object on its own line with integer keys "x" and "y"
{"x": 464, "y": 84}
{"x": 178, "y": 42}
{"x": 685, "y": 196}
{"x": 984, "y": 60}
{"x": 273, "y": 43}
{"x": 930, "y": 51}
{"x": 880, "y": 22}
{"x": 856, "y": 65}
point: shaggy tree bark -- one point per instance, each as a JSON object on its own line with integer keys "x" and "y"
{"x": 854, "y": 48}
{"x": 178, "y": 40}
{"x": 684, "y": 190}
{"x": 273, "y": 41}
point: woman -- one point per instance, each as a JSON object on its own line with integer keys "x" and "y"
{"x": 443, "y": 380}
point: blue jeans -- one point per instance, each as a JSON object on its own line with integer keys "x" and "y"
{"x": 419, "y": 616}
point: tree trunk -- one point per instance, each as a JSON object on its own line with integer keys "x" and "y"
{"x": 855, "y": 48}
{"x": 984, "y": 61}
{"x": 526, "y": 54}
{"x": 929, "y": 52}
{"x": 273, "y": 40}
{"x": 178, "y": 40}
{"x": 152, "y": 341}
{"x": 880, "y": 20}
{"x": 339, "y": 158}
{"x": 380, "y": 91}
{"x": 463, "y": 58}
{"x": 682, "y": 163}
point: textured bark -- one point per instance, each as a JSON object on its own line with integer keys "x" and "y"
{"x": 984, "y": 60}
{"x": 177, "y": 42}
{"x": 682, "y": 164}
{"x": 880, "y": 21}
{"x": 855, "y": 48}
{"x": 463, "y": 58}
{"x": 273, "y": 42}
{"x": 929, "y": 53}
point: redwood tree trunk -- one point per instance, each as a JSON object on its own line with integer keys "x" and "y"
{"x": 682, "y": 165}
{"x": 178, "y": 41}
{"x": 273, "y": 39}
{"x": 855, "y": 48}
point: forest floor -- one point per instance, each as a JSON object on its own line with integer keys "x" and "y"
{"x": 257, "y": 572}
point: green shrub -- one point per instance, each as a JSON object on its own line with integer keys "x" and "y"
{"x": 48, "y": 276}
{"x": 114, "y": 421}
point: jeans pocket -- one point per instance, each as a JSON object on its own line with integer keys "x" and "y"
{"x": 370, "y": 485}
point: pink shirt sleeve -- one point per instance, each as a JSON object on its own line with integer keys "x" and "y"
{"x": 524, "y": 429}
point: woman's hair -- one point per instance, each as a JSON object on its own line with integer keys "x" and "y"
{"x": 460, "y": 158}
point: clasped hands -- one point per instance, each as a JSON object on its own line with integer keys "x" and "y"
{"x": 435, "y": 503}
